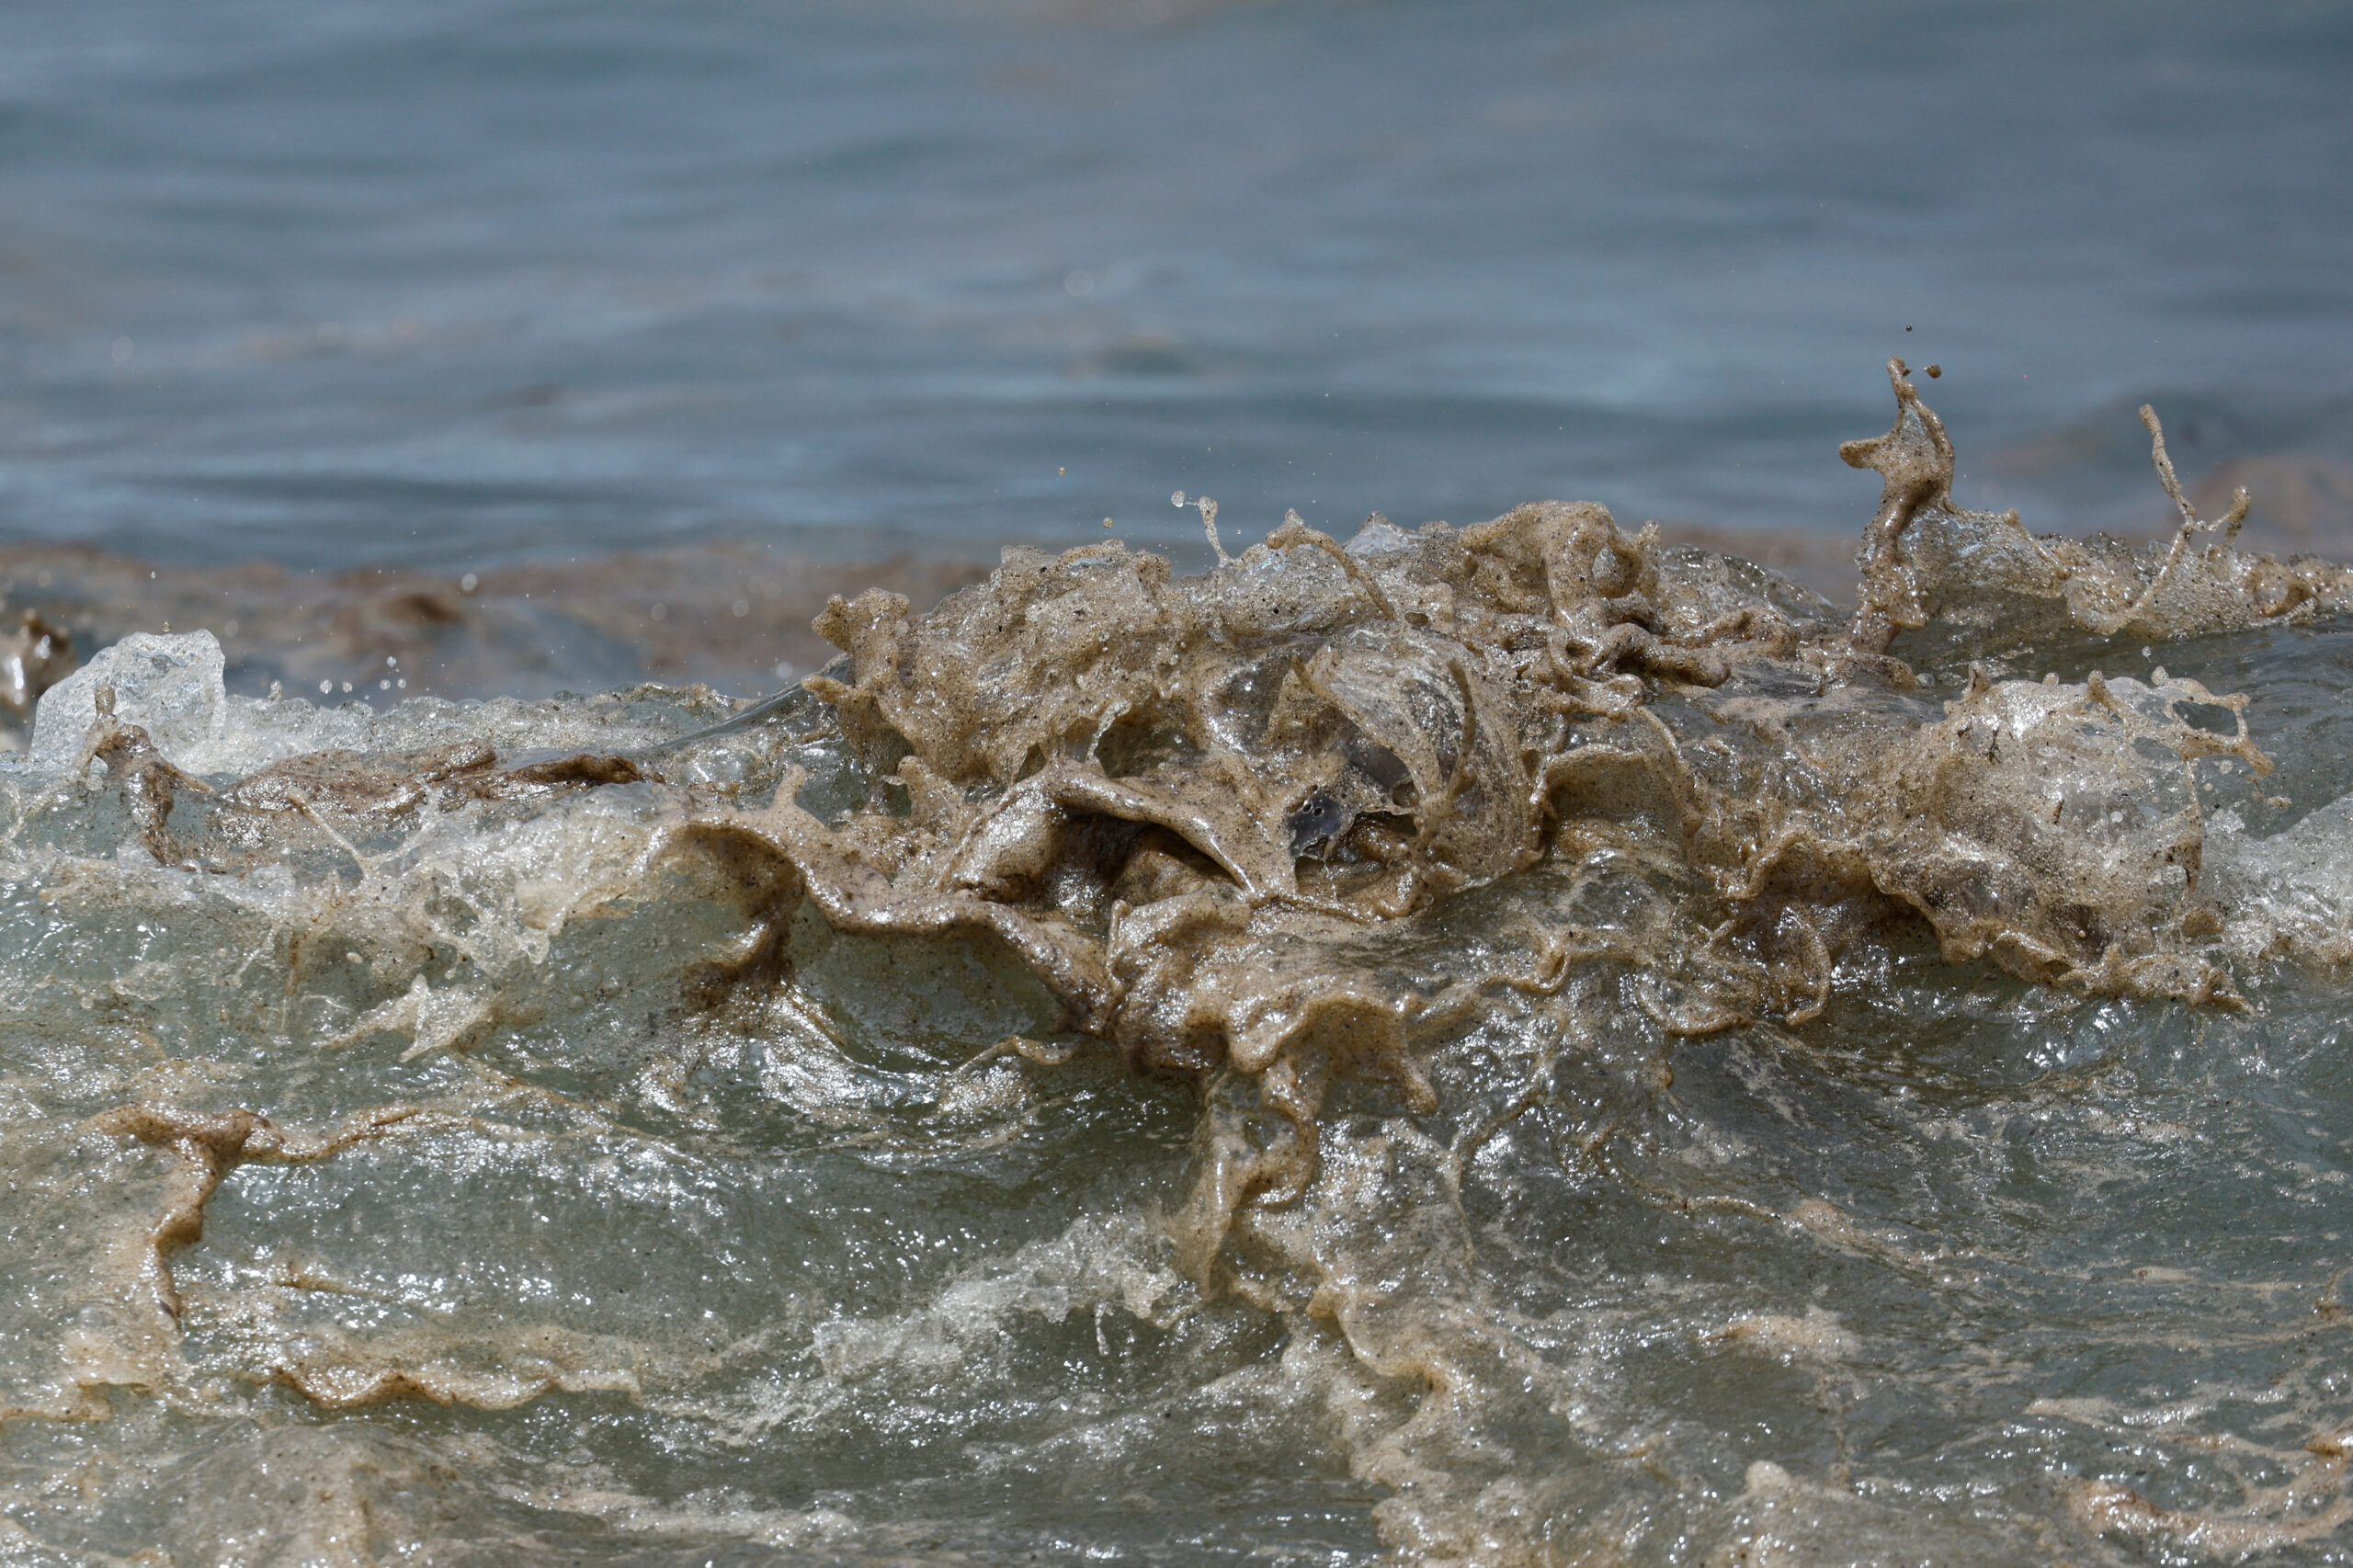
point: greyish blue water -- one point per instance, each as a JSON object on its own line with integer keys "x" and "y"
{"x": 450, "y": 284}
{"x": 1524, "y": 1043}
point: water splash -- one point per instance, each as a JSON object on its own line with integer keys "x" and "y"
{"x": 1517, "y": 1042}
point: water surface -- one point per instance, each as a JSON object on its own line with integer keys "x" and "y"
{"x": 1541, "y": 1045}
{"x": 455, "y": 285}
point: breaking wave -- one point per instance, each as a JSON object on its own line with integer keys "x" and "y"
{"x": 1516, "y": 1044}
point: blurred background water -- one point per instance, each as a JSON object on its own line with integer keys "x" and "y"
{"x": 461, "y": 285}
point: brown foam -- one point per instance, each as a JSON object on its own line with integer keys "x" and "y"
{"x": 1189, "y": 807}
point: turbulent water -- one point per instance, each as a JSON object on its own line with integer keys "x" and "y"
{"x": 1517, "y": 1044}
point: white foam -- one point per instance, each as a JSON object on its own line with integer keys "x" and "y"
{"x": 168, "y": 685}
{"x": 2294, "y": 887}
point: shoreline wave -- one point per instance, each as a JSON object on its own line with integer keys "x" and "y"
{"x": 1319, "y": 954}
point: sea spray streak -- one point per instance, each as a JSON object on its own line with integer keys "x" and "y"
{"x": 510, "y": 1057}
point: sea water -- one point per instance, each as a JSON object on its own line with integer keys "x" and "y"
{"x": 1527, "y": 1041}
{"x": 457, "y": 283}
{"x": 1516, "y": 1044}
